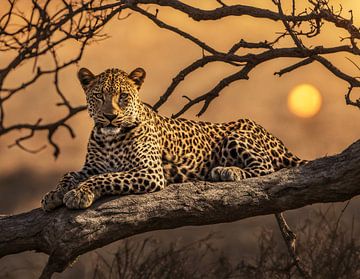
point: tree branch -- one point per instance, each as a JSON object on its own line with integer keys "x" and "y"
{"x": 329, "y": 179}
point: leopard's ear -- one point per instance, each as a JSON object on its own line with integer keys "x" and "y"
{"x": 85, "y": 76}
{"x": 138, "y": 76}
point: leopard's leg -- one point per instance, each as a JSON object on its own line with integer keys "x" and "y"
{"x": 233, "y": 173}
{"x": 116, "y": 183}
{"x": 54, "y": 198}
{"x": 241, "y": 158}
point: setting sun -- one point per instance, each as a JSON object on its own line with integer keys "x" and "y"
{"x": 304, "y": 100}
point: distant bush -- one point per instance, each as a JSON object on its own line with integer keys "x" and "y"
{"x": 326, "y": 245}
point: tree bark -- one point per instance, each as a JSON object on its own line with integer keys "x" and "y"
{"x": 65, "y": 234}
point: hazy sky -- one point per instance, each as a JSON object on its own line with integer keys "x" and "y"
{"x": 136, "y": 41}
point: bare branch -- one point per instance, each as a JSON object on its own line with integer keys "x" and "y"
{"x": 294, "y": 66}
{"x": 289, "y": 29}
{"x": 50, "y": 127}
{"x": 30, "y": 135}
{"x": 183, "y": 34}
{"x": 290, "y": 241}
{"x": 348, "y": 99}
{"x": 184, "y": 73}
{"x": 214, "y": 93}
{"x": 224, "y": 11}
{"x": 42, "y": 32}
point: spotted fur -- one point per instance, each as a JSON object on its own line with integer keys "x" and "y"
{"x": 134, "y": 150}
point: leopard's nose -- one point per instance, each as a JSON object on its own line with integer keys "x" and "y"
{"x": 110, "y": 117}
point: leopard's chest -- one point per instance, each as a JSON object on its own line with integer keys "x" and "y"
{"x": 115, "y": 154}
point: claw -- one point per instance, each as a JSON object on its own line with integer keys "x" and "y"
{"x": 78, "y": 198}
{"x": 51, "y": 200}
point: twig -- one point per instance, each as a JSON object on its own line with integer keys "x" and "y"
{"x": 294, "y": 66}
{"x": 289, "y": 29}
{"x": 348, "y": 99}
{"x": 183, "y": 34}
{"x": 290, "y": 241}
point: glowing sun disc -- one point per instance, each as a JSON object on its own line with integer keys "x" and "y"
{"x": 304, "y": 100}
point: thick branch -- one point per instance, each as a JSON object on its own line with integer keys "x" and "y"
{"x": 320, "y": 10}
{"x": 65, "y": 234}
{"x": 225, "y": 11}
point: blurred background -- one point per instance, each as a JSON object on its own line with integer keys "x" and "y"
{"x": 328, "y": 129}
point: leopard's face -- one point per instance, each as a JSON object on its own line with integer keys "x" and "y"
{"x": 112, "y": 98}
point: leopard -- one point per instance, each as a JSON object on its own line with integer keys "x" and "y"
{"x": 133, "y": 149}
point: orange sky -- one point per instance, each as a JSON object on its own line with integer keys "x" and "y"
{"x": 138, "y": 42}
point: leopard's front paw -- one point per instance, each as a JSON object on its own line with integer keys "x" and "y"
{"x": 51, "y": 200}
{"x": 79, "y": 198}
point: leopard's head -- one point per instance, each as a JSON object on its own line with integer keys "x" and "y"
{"x": 112, "y": 98}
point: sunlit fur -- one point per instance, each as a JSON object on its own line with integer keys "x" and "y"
{"x": 132, "y": 149}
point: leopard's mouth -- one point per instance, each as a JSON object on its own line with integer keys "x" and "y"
{"x": 111, "y": 126}
{"x": 110, "y": 129}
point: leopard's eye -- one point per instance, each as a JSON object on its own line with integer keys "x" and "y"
{"x": 123, "y": 96}
{"x": 122, "y": 99}
{"x": 98, "y": 95}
